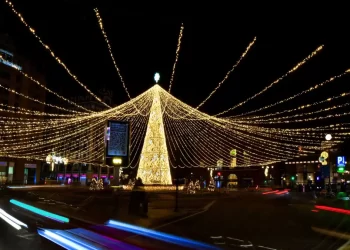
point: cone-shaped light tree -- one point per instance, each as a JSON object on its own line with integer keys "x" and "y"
{"x": 154, "y": 167}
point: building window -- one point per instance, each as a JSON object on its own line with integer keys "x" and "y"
{"x": 3, "y": 92}
{"x": 19, "y": 78}
{"x": 5, "y": 75}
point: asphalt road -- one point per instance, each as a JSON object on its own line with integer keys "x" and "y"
{"x": 242, "y": 220}
{"x": 26, "y": 238}
{"x": 11, "y": 239}
{"x": 256, "y": 221}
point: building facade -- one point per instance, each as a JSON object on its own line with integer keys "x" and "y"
{"x": 19, "y": 171}
{"x": 80, "y": 172}
{"x": 226, "y": 177}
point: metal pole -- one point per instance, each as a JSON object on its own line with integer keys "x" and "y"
{"x": 177, "y": 190}
{"x": 65, "y": 173}
{"x": 99, "y": 173}
{"x": 330, "y": 170}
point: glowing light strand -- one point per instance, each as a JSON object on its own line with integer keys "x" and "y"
{"x": 276, "y": 81}
{"x": 296, "y": 95}
{"x": 304, "y": 106}
{"x": 52, "y": 92}
{"x": 38, "y": 101}
{"x": 176, "y": 56}
{"x": 52, "y": 53}
{"x": 228, "y": 74}
{"x": 99, "y": 19}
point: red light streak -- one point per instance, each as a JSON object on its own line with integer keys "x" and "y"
{"x": 333, "y": 209}
{"x": 271, "y": 192}
{"x": 283, "y": 192}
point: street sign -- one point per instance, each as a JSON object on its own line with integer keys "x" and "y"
{"x": 117, "y": 143}
{"x": 341, "y": 161}
{"x": 341, "y": 164}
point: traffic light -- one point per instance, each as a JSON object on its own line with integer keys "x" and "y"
{"x": 219, "y": 173}
{"x": 292, "y": 178}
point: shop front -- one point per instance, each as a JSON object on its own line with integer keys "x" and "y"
{"x": 241, "y": 177}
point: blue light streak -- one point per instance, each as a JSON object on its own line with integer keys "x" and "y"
{"x": 13, "y": 65}
{"x": 59, "y": 240}
{"x": 101, "y": 239}
{"x": 159, "y": 235}
{"x": 40, "y": 211}
{"x": 82, "y": 239}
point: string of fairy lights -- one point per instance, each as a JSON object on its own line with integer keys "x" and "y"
{"x": 181, "y": 135}
{"x": 100, "y": 23}
{"x": 52, "y": 53}
{"x": 295, "y": 68}
{"x": 228, "y": 73}
{"x": 178, "y": 47}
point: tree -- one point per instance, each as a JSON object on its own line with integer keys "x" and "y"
{"x": 191, "y": 189}
{"x": 197, "y": 185}
{"x": 211, "y": 186}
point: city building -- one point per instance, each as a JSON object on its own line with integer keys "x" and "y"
{"x": 309, "y": 170}
{"x": 302, "y": 171}
{"x": 20, "y": 171}
{"x": 227, "y": 177}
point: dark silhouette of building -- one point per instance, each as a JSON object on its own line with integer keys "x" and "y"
{"x": 17, "y": 170}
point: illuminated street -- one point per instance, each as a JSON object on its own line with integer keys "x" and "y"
{"x": 272, "y": 221}
{"x": 238, "y": 220}
{"x": 12, "y": 239}
{"x": 139, "y": 128}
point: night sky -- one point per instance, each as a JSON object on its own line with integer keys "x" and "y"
{"x": 144, "y": 41}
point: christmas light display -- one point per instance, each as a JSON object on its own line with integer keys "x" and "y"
{"x": 99, "y": 19}
{"x": 176, "y": 57}
{"x": 296, "y": 95}
{"x": 228, "y": 73}
{"x": 166, "y": 132}
{"x": 21, "y": 18}
{"x": 154, "y": 165}
{"x": 191, "y": 188}
{"x": 296, "y": 67}
{"x": 196, "y": 138}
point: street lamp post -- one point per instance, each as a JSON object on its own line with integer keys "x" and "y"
{"x": 49, "y": 160}
{"x": 177, "y": 190}
{"x": 176, "y": 209}
{"x": 52, "y": 159}
{"x": 328, "y": 137}
{"x": 65, "y": 162}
